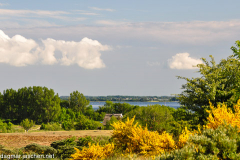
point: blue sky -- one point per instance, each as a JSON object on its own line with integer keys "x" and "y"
{"x": 112, "y": 47}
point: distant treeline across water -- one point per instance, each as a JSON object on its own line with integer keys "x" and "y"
{"x": 170, "y": 104}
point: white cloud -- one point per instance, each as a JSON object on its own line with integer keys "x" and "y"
{"x": 183, "y": 61}
{"x": 85, "y": 53}
{"x": 102, "y": 9}
{"x": 19, "y": 51}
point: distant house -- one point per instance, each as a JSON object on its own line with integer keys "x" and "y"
{"x": 108, "y": 117}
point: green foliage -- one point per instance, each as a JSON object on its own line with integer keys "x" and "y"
{"x": 91, "y": 114}
{"x": 84, "y": 123}
{"x": 182, "y": 119}
{"x": 155, "y": 117}
{"x": 39, "y": 149}
{"x": 109, "y": 123}
{"x": 111, "y": 107}
{"x": 222, "y": 143}
{"x": 68, "y": 124}
{"x": 218, "y": 83}
{"x": 27, "y": 124}
{"x": 64, "y": 103}
{"x": 37, "y": 103}
{"x": 78, "y": 102}
{"x": 64, "y": 147}
{"x": 84, "y": 141}
{"x": 5, "y": 127}
{"x": 52, "y": 126}
{"x": 236, "y": 50}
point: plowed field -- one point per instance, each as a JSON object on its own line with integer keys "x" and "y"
{"x": 18, "y": 140}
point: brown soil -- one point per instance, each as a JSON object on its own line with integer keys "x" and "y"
{"x": 18, "y": 140}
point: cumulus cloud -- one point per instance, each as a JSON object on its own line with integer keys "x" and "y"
{"x": 85, "y": 53}
{"x": 19, "y": 51}
{"x": 183, "y": 61}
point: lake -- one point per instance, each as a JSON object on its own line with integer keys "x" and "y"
{"x": 95, "y": 105}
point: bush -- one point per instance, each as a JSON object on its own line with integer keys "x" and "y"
{"x": 134, "y": 139}
{"x": 27, "y": 124}
{"x": 221, "y": 143}
{"x": 51, "y": 126}
{"x": 5, "y": 127}
{"x": 101, "y": 140}
{"x": 86, "y": 124}
{"x": 68, "y": 124}
{"x": 39, "y": 149}
{"x": 64, "y": 147}
{"x": 94, "y": 152}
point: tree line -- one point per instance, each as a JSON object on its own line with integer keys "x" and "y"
{"x": 120, "y": 98}
{"x": 37, "y": 103}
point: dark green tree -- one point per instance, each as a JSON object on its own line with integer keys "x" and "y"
{"x": 78, "y": 102}
{"x": 51, "y": 106}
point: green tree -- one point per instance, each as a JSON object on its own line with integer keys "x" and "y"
{"x": 27, "y": 124}
{"x": 155, "y": 117}
{"x": 51, "y": 106}
{"x": 78, "y": 102}
{"x": 218, "y": 83}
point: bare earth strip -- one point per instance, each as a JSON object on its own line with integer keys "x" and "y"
{"x": 18, "y": 140}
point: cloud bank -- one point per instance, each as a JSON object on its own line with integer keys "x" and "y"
{"x": 20, "y": 51}
{"x": 183, "y": 61}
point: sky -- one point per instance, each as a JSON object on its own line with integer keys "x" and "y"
{"x": 110, "y": 47}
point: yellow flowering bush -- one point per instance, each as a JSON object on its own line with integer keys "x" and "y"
{"x": 93, "y": 152}
{"x": 219, "y": 114}
{"x": 134, "y": 139}
{"x": 183, "y": 137}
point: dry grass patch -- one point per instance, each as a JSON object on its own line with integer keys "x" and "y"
{"x": 18, "y": 140}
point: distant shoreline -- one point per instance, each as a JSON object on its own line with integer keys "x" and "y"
{"x": 135, "y": 101}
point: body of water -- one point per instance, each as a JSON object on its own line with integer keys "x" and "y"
{"x": 95, "y": 105}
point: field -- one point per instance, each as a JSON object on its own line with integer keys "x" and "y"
{"x": 18, "y": 140}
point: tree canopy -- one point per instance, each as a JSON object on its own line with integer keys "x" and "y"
{"x": 218, "y": 83}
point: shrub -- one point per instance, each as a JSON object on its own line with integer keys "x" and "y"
{"x": 86, "y": 124}
{"x": 27, "y": 124}
{"x": 221, "y": 143}
{"x": 68, "y": 124}
{"x": 134, "y": 139}
{"x": 51, "y": 126}
{"x": 5, "y": 127}
{"x": 64, "y": 147}
{"x": 221, "y": 114}
{"x": 84, "y": 142}
{"x": 94, "y": 152}
{"x": 36, "y": 148}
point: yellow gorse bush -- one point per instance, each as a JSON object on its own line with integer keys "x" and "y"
{"x": 94, "y": 152}
{"x": 134, "y": 139}
{"x": 183, "y": 137}
{"x": 221, "y": 114}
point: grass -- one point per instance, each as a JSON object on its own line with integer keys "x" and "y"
{"x": 18, "y": 140}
